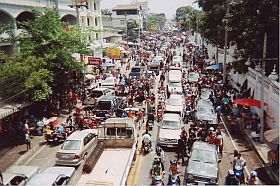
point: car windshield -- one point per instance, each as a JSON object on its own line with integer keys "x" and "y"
{"x": 96, "y": 94}
{"x": 108, "y": 81}
{"x": 174, "y": 102}
{"x": 71, "y": 145}
{"x": 193, "y": 76}
{"x": 135, "y": 70}
{"x": 175, "y": 84}
{"x": 202, "y": 155}
{"x": 170, "y": 125}
{"x": 104, "y": 105}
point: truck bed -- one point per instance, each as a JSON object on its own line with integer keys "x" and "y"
{"x": 109, "y": 168}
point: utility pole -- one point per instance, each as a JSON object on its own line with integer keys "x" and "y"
{"x": 56, "y": 4}
{"x": 225, "y": 49}
{"x": 262, "y": 88}
{"x": 217, "y": 45}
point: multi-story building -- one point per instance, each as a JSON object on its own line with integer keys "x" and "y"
{"x": 89, "y": 14}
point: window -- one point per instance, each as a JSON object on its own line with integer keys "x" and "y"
{"x": 96, "y": 35}
{"x": 94, "y": 6}
{"x": 86, "y": 140}
{"x": 88, "y": 21}
{"x": 122, "y": 22}
{"x": 111, "y": 131}
{"x": 95, "y": 20}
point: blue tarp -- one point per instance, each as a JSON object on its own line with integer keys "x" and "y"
{"x": 214, "y": 67}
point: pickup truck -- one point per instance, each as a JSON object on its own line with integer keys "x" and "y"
{"x": 118, "y": 139}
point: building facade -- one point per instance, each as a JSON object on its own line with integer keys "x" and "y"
{"x": 89, "y": 14}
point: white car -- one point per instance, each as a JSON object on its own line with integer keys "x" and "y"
{"x": 109, "y": 82}
{"x": 205, "y": 113}
{"x": 193, "y": 77}
{"x": 170, "y": 130}
{"x": 175, "y": 88}
{"x": 175, "y": 104}
{"x": 158, "y": 58}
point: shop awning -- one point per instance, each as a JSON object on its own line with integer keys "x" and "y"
{"x": 248, "y": 102}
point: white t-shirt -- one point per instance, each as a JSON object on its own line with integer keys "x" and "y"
{"x": 239, "y": 163}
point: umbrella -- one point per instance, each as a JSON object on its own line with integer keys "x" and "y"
{"x": 272, "y": 137}
{"x": 248, "y": 102}
{"x": 213, "y": 67}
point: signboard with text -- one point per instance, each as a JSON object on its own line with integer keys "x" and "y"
{"x": 94, "y": 61}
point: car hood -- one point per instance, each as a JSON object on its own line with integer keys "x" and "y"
{"x": 174, "y": 108}
{"x": 202, "y": 169}
{"x": 169, "y": 134}
{"x": 178, "y": 89}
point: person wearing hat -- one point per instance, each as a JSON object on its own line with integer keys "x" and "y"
{"x": 231, "y": 178}
{"x": 253, "y": 179}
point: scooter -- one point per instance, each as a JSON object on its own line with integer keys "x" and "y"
{"x": 151, "y": 124}
{"x": 158, "y": 181}
{"x": 174, "y": 180}
{"x": 238, "y": 172}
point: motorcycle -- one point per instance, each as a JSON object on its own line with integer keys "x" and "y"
{"x": 157, "y": 181}
{"x": 151, "y": 124}
{"x": 146, "y": 147}
{"x": 239, "y": 173}
{"x": 174, "y": 180}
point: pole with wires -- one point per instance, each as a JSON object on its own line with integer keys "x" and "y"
{"x": 225, "y": 49}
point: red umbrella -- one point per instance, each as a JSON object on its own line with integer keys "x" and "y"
{"x": 248, "y": 102}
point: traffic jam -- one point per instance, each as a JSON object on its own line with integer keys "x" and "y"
{"x": 154, "y": 116}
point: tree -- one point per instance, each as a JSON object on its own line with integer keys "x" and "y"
{"x": 45, "y": 40}
{"x": 156, "y": 19}
{"x": 246, "y": 23}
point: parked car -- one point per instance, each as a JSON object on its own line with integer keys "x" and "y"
{"x": 170, "y": 130}
{"x": 203, "y": 164}
{"x": 19, "y": 175}
{"x": 76, "y": 148}
{"x": 49, "y": 179}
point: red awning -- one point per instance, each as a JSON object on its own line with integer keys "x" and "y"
{"x": 248, "y": 102}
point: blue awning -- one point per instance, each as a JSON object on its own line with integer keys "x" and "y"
{"x": 214, "y": 67}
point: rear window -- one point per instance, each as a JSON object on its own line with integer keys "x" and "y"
{"x": 71, "y": 145}
{"x": 204, "y": 156}
{"x": 96, "y": 93}
{"x": 104, "y": 105}
{"x": 174, "y": 125}
{"x": 135, "y": 70}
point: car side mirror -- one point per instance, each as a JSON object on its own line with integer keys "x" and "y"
{"x": 219, "y": 161}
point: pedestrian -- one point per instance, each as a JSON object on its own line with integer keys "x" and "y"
{"x": 27, "y": 141}
{"x": 181, "y": 149}
{"x": 219, "y": 142}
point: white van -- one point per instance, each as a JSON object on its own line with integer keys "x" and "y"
{"x": 170, "y": 130}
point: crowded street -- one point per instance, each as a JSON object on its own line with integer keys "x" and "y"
{"x": 160, "y": 103}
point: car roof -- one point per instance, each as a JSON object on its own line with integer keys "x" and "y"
{"x": 77, "y": 135}
{"x": 100, "y": 89}
{"x": 28, "y": 171}
{"x": 67, "y": 171}
{"x": 125, "y": 122}
{"x": 107, "y": 98}
{"x": 175, "y": 96}
{"x": 204, "y": 146}
{"x": 171, "y": 117}
{"x": 43, "y": 179}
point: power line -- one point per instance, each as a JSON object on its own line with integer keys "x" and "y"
{"x": 12, "y": 97}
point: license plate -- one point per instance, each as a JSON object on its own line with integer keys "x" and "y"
{"x": 64, "y": 156}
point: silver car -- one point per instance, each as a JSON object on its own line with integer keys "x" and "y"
{"x": 203, "y": 164}
{"x": 76, "y": 147}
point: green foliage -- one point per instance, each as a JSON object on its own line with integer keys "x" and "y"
{"x": 46, "y": 50}
{"x": 189, "y": 18}
{"x": 246, "y": 23}
{"x": 156, "y": 19}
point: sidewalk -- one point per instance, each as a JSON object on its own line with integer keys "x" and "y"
{"x": 261, "y": 151}
{"x": 17, "y": 155}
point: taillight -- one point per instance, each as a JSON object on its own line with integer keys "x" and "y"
{"x": 76, "y": 156}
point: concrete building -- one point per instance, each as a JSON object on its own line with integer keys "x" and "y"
{"x": 20, "y": 10}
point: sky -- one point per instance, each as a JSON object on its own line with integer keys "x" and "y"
{"x": 157, "y": 6}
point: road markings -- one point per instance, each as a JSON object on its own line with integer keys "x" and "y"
{"x": 35, "y": 154}
{"x": 233, "y": 142}
{"x": 138, "y": 169}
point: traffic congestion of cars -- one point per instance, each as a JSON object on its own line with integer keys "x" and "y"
{"x": 160, "y": 91}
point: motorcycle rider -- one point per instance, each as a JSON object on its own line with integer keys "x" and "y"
{"x": 253, "y": 179}
{"x": 146, "y": 138}
{"x": 231, "y": 178}
{"x": 156, "y": 169}
{"x": 174, "y": 168}
{"x": 239, "y": 164}
{"x": 160, "y": 153}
